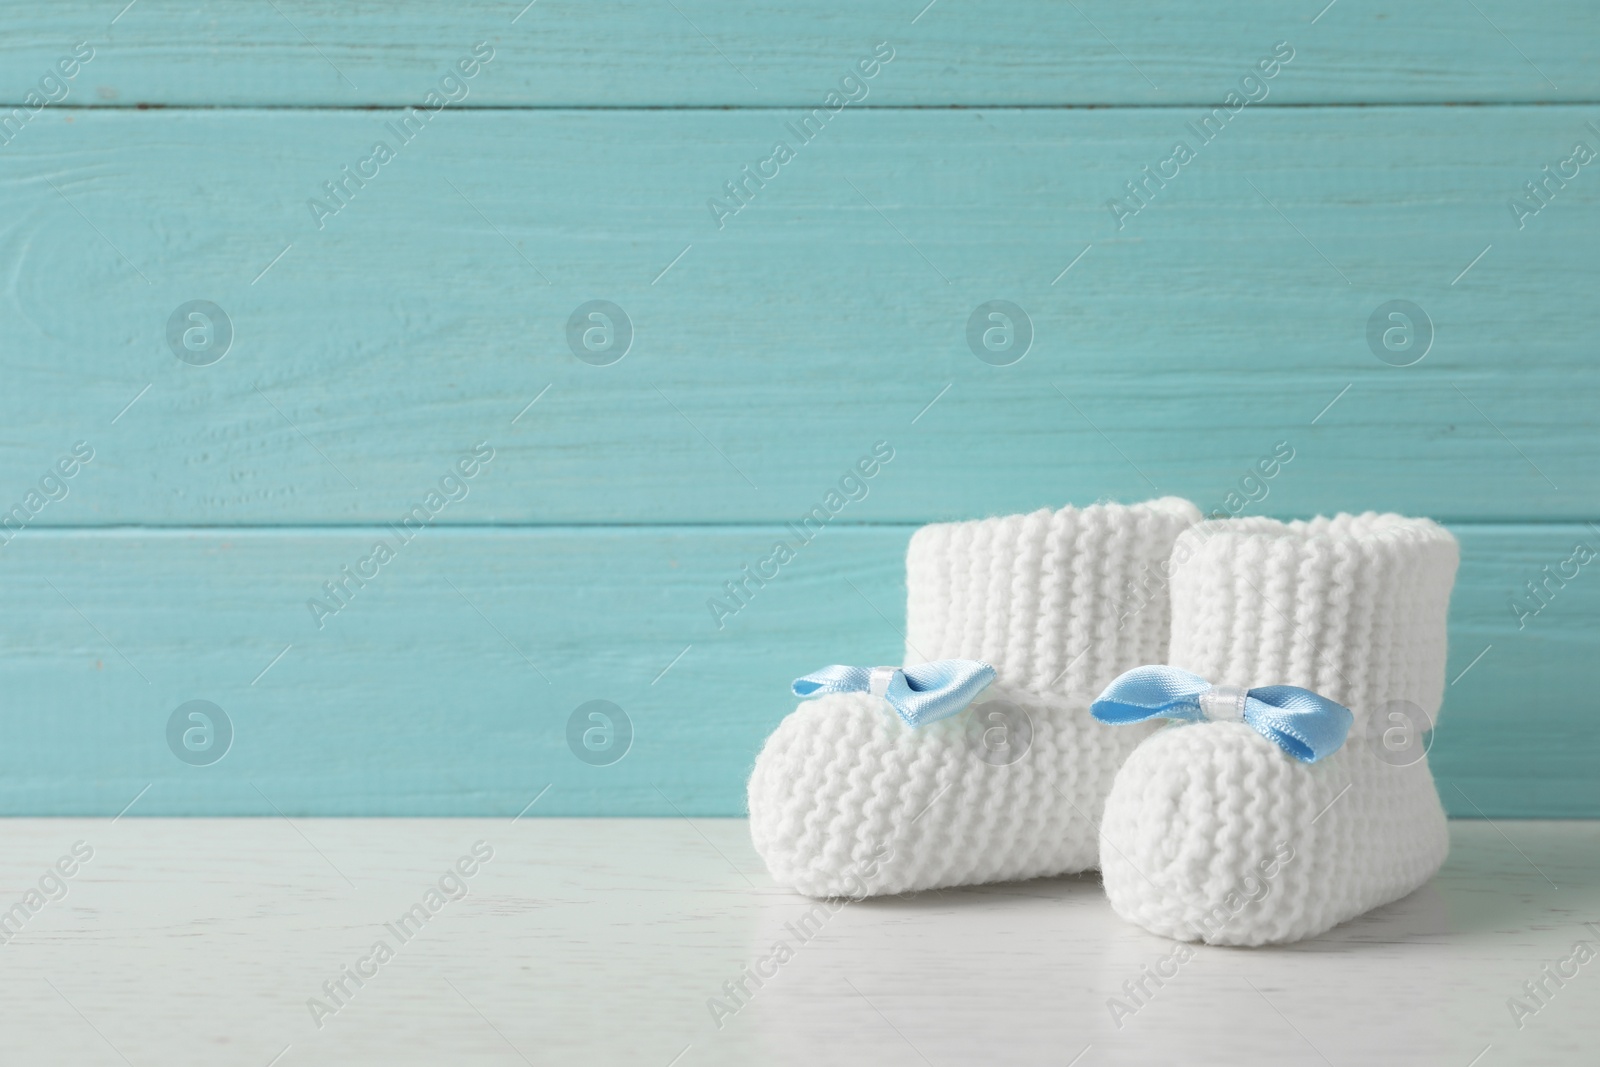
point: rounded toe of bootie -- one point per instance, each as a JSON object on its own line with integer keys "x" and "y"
{"x": 815, "y": 800}
{"x": 1211, "y": 833}
{"x": 847, "y": 800}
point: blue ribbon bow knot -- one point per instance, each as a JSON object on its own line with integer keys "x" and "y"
{"x": 920, "y": 695}
{"x": 1306, "y": 725}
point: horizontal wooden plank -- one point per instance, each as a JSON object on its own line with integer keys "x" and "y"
{"x": 721, "y": 52}
{"x": 1171, "y": 349}
{"x": 446, "y": 684}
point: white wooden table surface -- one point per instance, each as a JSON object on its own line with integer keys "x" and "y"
{"x": 602, "y": 941}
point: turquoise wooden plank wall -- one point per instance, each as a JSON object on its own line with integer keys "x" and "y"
{"x": 172, "y": 153}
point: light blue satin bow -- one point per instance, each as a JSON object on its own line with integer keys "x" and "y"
{"x": 1304, "y": 724}
{"x": 920, "y": 695}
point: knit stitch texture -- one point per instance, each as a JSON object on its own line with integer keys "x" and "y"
{"x": 1211, "y": 833}
{"x": 1059, "y": 603}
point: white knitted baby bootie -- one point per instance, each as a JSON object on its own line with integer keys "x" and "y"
{"x": 1218, "y": 831}
{"x": 848, "y": 799}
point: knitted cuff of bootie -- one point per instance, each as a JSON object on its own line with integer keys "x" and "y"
{"x": 1011, "y": 787}
{"x": 1215, "y": 833}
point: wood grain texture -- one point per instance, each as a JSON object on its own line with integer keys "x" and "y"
{"x": 446, "y": 684}
{"x": 604, "y": 941}
{"x": 1229, "y": 314}
{"x": 1211, "y": 320}
{"x": 640, "y": 53}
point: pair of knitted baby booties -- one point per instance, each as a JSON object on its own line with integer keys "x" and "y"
{"x": 1211, "y": 829}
